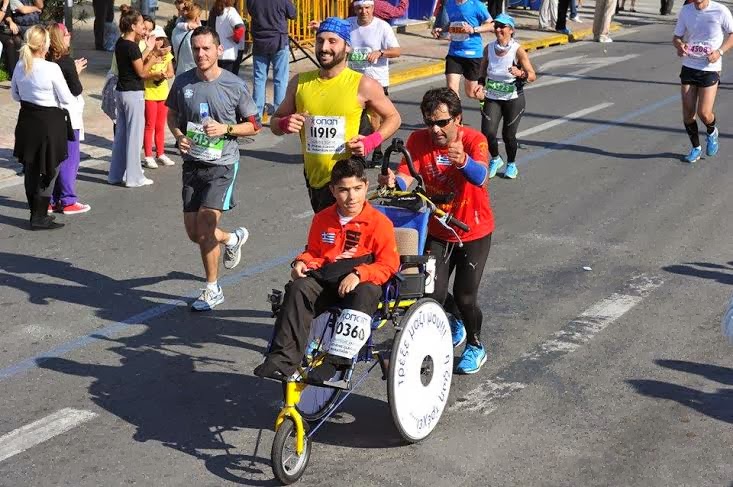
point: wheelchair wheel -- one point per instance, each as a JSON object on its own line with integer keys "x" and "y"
{"x": 287, "y": 465}
{"x": 420, "y": 370}
{"x": 315, "y": 402}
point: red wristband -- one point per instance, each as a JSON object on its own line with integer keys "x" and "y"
{"x": 283, "y": 124}
{"x": 371, "y": 142}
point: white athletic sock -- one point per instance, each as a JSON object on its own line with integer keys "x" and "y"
{"x": 233, "y": 239}
{"x": 213, "y": 286}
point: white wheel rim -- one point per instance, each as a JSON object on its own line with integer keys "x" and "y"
{"x": 426, "y": 334}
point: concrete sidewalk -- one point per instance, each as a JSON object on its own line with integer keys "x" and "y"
{"x": 422, "y": 56}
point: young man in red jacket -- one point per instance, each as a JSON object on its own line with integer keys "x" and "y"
{"x": 351, "y": 252}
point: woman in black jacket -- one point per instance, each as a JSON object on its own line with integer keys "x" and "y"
{"x": 64, "y": 198}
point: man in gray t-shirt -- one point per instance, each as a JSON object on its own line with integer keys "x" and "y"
{"x": 208, "y": 109}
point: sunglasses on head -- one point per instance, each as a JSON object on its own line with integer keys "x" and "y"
{"x": 440, "y": 123}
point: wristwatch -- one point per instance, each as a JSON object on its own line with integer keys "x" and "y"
{"x": 720, "y": 51}
{"x": 229, "y": 129}
{"x": 356, "y": 273}
{"x": 381, "y": 53}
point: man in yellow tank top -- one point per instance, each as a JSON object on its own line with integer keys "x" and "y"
{"x": 324, "y": 106}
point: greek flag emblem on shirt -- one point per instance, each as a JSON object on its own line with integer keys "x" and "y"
{"x": 328, "y": 237}
{"x": 442, "y": 160}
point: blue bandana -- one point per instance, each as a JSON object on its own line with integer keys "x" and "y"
{"x": 338, "y": 26}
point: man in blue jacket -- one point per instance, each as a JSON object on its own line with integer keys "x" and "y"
{"x": 270, "y": 46}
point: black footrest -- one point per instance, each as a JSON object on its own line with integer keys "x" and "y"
{"x": 339, "y": 384}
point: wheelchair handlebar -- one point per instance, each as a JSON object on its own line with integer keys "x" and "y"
{"x": 451, "y": 220}
{"x": 398, "y": 146}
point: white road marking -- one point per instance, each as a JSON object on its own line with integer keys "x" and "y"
{"x": 305, "y": 214}
{"x": 562, "y": 120}
{"x": 515, "y": 377}
{"x": 32, "y": 434}
{"x": 588, "y": 63}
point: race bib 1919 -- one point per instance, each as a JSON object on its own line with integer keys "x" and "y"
{"x": 350, "y": 333}
{"x": 203, "y": 147}
{"x": 325, "y": 134}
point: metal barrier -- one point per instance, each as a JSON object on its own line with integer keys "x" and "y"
{"x": 307, "y": 11}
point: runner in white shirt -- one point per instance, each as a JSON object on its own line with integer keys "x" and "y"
{"x": 230, "y": 27}
{"x": 704, "y": 32}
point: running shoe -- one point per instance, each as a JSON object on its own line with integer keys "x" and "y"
{"x": 565, "y": 31}
{"x": 577, "y": 19}
{"x": 165, "y": 160}
{"x": 494, "y": 165}
{"x": 145, "y": 182}
{"x": 233, "y": 253}
{"x": 75, "y": 209}
{"x": 457, "y": 330}
{"x": 474, "y": 356}
{"x": 694, "y": 154}
{"x": 605, "y": 39}
{"x": 150, "y": 163}
{"x": 712, "y": 146}
{"x": 511, "y": 171}
{"x": 208, "y": 300}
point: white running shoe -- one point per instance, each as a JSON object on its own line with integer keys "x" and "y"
{"x": 208, "y": 300}
{"x": 145, "y": 182}
{"x": 605, "y": 38}
{"x": 576, "y": 19}
{"x": 150, "y": 163}
{"x": 232, "y": 254}
{"x": 165, "y": 160}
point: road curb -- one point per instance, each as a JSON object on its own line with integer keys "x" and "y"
{"x": 426, "y": 70}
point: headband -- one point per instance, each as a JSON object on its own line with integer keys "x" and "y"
{"x": 337, "y": 26}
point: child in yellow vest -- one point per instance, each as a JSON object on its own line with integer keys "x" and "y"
{"x": 156, "y": 112}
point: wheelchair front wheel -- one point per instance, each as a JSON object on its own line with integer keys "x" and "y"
{"x": 420, "y": 370}
{"x": 287, "y": 465}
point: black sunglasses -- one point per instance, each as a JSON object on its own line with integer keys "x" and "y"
{"x": 440, "y": 123}
{"x": 499, "y": 25}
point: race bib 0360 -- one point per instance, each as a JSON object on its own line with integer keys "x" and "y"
{"x": 325, "y": 134}
{"x": 350, "y": 333}
{"x": 203, "y": 147}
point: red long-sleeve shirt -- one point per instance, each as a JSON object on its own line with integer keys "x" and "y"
{"x": 384, "y": 9}
{"x": 370, "y": 232}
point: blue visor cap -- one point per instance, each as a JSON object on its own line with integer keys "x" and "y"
{"x": 504, "y": 19}
{"x": 338, "y": 26}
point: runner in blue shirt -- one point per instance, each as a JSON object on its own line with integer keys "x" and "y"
{"x": 467, "y": 20}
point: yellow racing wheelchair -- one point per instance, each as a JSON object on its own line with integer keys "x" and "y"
{"x": 418, "y": 366}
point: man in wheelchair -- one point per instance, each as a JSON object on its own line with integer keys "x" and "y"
{"x": 351, "y": 253}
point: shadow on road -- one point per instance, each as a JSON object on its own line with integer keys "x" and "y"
{"x": 717, "y": 405}
{"x": 179, "y": 382}
{"x": 722, "y": 273}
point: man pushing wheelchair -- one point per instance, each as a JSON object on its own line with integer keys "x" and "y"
{"x": 351, "y": 253}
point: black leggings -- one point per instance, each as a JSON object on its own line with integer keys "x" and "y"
{"x": 11, "y": 45}
{"x": 468, "y": 262}
{"x": 511, "y": 111}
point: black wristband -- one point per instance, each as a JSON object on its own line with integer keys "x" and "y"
{"x": 482, "y": 81}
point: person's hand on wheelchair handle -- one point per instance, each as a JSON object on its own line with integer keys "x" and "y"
{"x": 299, "y": 270}
{"x": 387, "y": 180}
{"x": 348, "y": 284}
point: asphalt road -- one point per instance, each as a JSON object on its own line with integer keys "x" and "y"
{"x": 616, "y": 375}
